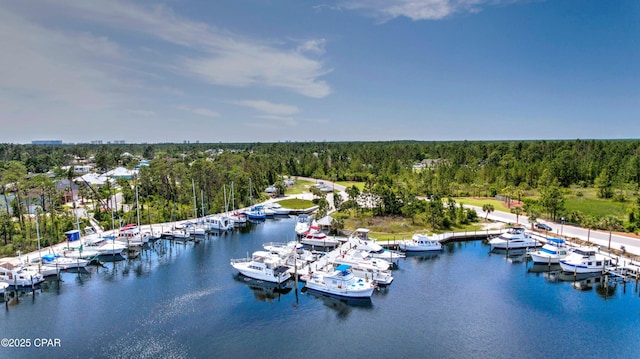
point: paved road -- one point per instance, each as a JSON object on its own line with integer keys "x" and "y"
{"x": 601, "y": 238}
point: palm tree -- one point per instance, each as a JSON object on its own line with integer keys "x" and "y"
{"x": 611, "y": 223}
{"x": 517, "y": 211}
{"x": 590, "y": 223}
{"x": 487, "y": 207}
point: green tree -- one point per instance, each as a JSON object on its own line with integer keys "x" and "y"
{"x": 612, "y": 223}
{"x": 487, "y": 208}
{"x": 517, "y": 211}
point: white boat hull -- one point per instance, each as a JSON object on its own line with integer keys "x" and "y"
{"x": 355, "y": 290}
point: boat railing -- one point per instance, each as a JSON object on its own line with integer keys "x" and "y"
{"x": 240, "y": 260}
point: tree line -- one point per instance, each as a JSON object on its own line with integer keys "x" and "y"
{"x": 396, "y": 175}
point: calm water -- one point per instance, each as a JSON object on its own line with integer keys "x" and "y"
{"x": 183, "y": 301}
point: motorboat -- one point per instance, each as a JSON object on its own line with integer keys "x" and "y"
{"x": 238, "y": 219}
{"x": 303, "y": 224}
{"x": 420, "y": 243}
{"x": 130, "y": 236}
{"x": 516, "y": 237}
{"x": 340, "y": 282}
{"x": 585, "y": 260}
{"x": 363, "y": 265}
{"x": 358, "y": 258}
{"x": 277, "y": 209}
{"x": 262, "y": 266}
{"x": 18, "y": 275}
{"x": 219, "y": 222}
{"x": 255, "y": 213}
{"x": 318, "y": 239}
{"x": 360, "y": 240}
{"x": 62, "y": 263}
{"x": 552, "y": 252}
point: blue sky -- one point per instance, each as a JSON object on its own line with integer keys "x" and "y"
{"x": 278, "y": 70}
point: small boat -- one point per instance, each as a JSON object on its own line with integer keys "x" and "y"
{"x": 220, "y": 222}
{"x": 18, "y": 275}
{"x": 585, "y": 260}
{"x": 420, "y": 243}
{"x": 255, "y": 213}
{"x": 552, "y": 252}
{"x": 340, "y": 282}
{"x": 303, "y": 224}
{"x": 318, "y": 239}
{"x": 516, "y": 237}
{"x": 278, "y": 209}
{"x": 62, "y": 263}
{"x": 262, "y": 266}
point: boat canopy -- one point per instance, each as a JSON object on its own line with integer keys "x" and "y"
{"x": 556, "y": 240}
{"x": 343, "y": 267}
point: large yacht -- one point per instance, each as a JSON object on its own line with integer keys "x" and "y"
{"x": 552, "y": 252}
{"x": 516, "y": 237}
{"x": 420, "y": 243}
{"x": 585, "y": 260}
{"x": 262, "y": 266}
{"x": 340, "y": 282}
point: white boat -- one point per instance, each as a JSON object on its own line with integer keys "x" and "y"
{"x": 303, "y": 224}
{"x": 420, "y": 243}
{"x": 219, "y": 222}
{"x": 278, "y": 209}
{"x": 585, "y": 260}
{"x": 130, "y": 236}
{"x": 3, "y": 287}
{"x": 360, "y": 240}
{"x": 195, "y": 229}
{"x": 552, "y": 252}
{"x": 62, "y": 263}
{"x": 340, "y": 282}
{"x": 18, "y": 275}
{"x": 318, "y": 239}
{"x": 262, "y": 266}
{"x": 516, "y": 237}
{"x": 363, "y": 265}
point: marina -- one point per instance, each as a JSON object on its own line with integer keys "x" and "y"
{"x": 184, "y": 300}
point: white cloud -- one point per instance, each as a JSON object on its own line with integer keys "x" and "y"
{"x": 205, "y": 112}
{"x": 268, "y": 107}
{"x": 278, "y": 120}
{"x": 418, "y": 9}
{"x": 315, "y": 46}
{"x": 216, "y": 56}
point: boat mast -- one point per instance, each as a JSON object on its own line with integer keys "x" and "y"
{"x": 195, "y": 205}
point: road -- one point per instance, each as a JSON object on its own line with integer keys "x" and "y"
{"x": 601, "y": 238}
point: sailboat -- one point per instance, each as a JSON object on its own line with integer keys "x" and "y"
{"x": 239, "y": 219}
{"x": 255, "y": 213}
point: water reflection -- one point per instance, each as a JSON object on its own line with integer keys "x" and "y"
{"x": 518, "y": 255}
{"x": 541, "y": 268}
{"x": 423, "y": 256}
{"x": 264, "y": 291}
{"x": 343, "y": 306}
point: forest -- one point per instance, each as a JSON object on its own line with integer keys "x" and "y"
{"x": 576, "y": 180}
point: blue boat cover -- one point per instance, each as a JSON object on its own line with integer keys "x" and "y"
{"x": 343, "y": 267}
{"x": 556, "y": 240}
{"x": 73, "y": 235}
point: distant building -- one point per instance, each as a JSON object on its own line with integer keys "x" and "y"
{"x": 46, "y": 142}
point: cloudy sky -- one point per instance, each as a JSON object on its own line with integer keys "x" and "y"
{"x": 305, "y": 70}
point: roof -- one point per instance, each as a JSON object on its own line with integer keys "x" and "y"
{"x": 325, "y": 221}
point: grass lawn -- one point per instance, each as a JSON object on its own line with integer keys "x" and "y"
{"x": 497, "y": 205}
{"x": 396, "y": 228}
{"x": 301, "y": 186}
{"x": 295, "y": 203}
{"x": 359, "y": 185}
{"x": 596, "y": 207}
